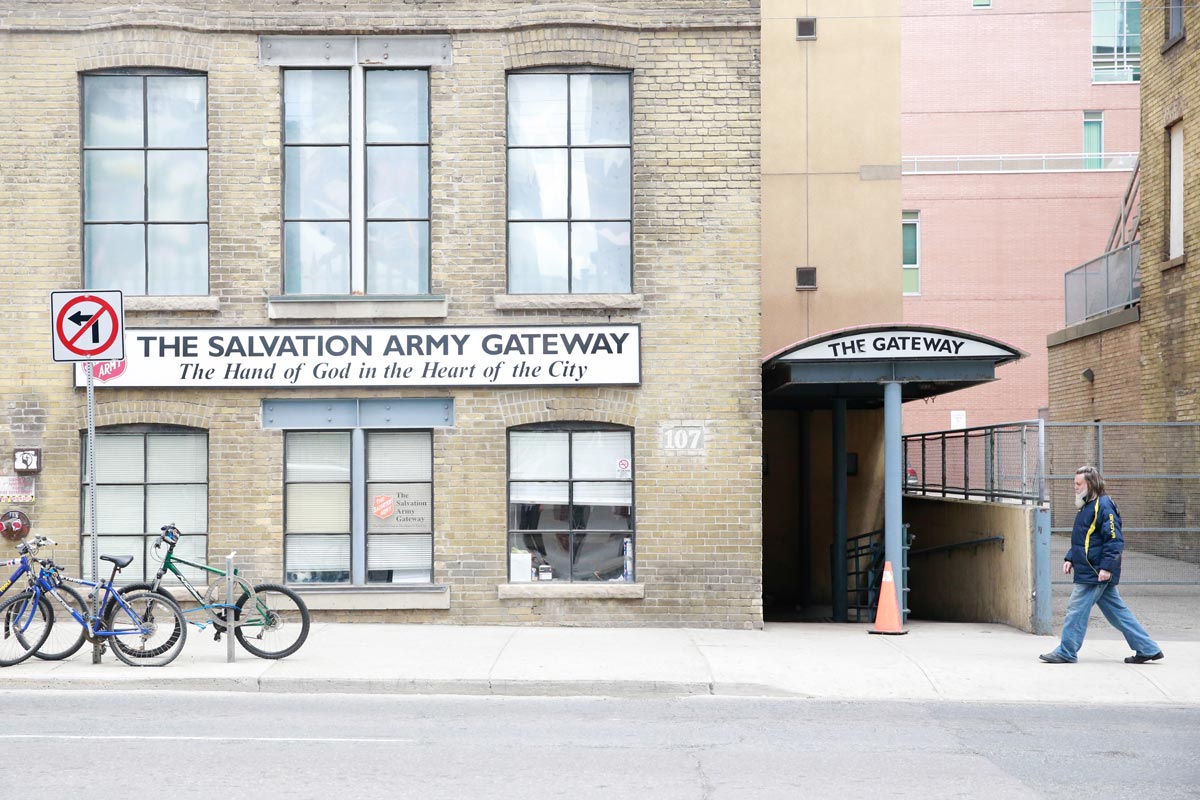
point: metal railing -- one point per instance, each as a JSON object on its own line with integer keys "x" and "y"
{"x": 992, "y": 462}
{"x": 1151, "y": 470}
{"x": 1103, "y": 284}
{"x": 865, "y": 560}
{"x": 1045, "y": 162}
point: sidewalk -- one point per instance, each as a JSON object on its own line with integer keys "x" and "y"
{"x": 935, "y": 661}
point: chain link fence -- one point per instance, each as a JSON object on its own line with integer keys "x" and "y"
{"x": 1152, "y": 471}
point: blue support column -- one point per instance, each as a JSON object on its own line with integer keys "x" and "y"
{"x": 892, "y": 487}
{"x": 838, "y": 578}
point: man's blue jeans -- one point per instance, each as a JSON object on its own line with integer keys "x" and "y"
{"x": 1105, "y": 595}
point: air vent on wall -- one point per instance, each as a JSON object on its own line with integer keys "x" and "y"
{"x": 806, "y": 278}
{"x": 806, "y": 27}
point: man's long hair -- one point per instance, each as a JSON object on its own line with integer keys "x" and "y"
{"x": 1095, "y": 481}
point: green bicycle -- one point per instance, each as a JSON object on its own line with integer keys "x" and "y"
{"x": 271, "y": 620}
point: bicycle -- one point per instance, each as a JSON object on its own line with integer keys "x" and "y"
{"x": 144, "y": 628}
{"x": 66, "y": 643}
{"x": 271, "y": 621}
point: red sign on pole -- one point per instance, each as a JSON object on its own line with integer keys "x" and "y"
{"x": 88, "y": 326}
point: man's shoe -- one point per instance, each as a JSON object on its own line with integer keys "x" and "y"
{"x": 1054, "y": 658}
{"x": 1136, "y": 659}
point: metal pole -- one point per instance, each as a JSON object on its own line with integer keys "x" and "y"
{"x": 838, "y": 579}
{"x": 892, "y": 500}
{"x": 229, "y": 620}
{"x": 97, "y": 647}
{"x": 1041, "y": 463}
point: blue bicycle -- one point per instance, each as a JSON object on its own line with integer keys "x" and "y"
{"x": 144, "y": 629}
{"x": 63, "y": 641}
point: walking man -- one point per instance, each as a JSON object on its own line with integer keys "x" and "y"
{"x": 1095, "y": 558}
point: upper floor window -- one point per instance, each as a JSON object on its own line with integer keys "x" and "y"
{"x": 356, "y": 181}
{"x": 145, "y": 183}
{"x": 911, "y": 261}
{"x": 146, "y": 477}
{"x": 1174, "y": 19}
{"x": 569, "y": 182}
{"x": 1175, "y": 202}
{"x": 1116, "y": 40}
{"x": 570, "y": 503}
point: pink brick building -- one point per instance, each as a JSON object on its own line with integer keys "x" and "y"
{"x": 1019, "y": 134}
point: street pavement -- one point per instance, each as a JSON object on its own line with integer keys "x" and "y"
{"x": 956, "y": 662}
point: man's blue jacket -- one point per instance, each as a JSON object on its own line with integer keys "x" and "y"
{"x": 1096, "y": 541}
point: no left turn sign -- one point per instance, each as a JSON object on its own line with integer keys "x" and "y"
{"x": 88, "y": 326}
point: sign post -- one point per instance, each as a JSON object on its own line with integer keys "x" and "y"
{"x": 87, "y": 327}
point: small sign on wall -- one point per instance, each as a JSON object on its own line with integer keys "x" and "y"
{"x": 687, "y": 438}
{"x": 958, "y": 420}
{"x": 27, "y": 460}
{"x": 16, "y": 489}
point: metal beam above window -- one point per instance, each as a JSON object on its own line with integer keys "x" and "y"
{"x": 348, "y": 51}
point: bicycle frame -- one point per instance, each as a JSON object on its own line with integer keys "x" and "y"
{"x": 169, "y": 565}
{"x": 43, "y": 586}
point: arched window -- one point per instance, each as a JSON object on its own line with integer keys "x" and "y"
{"x": 147, "y": 476}
{"x": 570, "y": 503}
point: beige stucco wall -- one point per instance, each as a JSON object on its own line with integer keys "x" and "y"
{"x": 831, "y": 167}
{"x": 987, "y": 583}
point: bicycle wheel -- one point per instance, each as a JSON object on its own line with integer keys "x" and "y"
{"x": 273, "y": 622}
{"x": 216, "y": 596}
{"x": 152, "y": 636}
{"x": 24, "y": 626}
{"x": 67, "y": 636}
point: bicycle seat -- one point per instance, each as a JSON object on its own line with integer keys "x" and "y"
{"x": 121, "y": 561}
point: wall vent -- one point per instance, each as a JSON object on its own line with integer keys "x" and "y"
{"x": 806, "y": 278}
{"x": 806, "y": 28}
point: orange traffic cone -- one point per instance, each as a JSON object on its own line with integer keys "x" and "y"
{"x": 887, "y": 616}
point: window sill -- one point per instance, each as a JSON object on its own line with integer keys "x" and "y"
{"x": 365, "y": 598}
{"x": 172, "y": 303}
{"x": 563, "y": 302}
{"x": 1167, "y": 45}
{"x": 361, "y": 598}
{"x": 1178, "y": 261}
{"x": 340, "y": 307}
{"x": 571, "y": 591}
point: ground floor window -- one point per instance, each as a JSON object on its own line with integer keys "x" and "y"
{"x": 364, "y": 496}
{"x": 146, "y": 477}
{"x": 570, "y": 503}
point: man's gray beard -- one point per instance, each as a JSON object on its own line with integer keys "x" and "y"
{"x": 1080, "y": 500}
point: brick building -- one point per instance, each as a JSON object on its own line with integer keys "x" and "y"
{"x": 1135, "y": 355}
{"x": 445, "y": 312}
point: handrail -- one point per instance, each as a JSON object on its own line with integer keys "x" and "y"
{"x": 1029, "y": 162}
{"x": 944, "y": 547}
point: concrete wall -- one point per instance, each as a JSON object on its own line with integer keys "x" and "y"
{"x": 988, "y": 583}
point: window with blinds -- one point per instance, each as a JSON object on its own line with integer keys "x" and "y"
{"x": 317, "y": 507}
{"x": 570, "y": 504}
{"x": 400, "y": 507}
{"x": 144, "y": 480}
{"x": 393, "y": 533}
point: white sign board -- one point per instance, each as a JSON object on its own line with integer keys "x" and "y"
{"x": 305, "y": 358}
{"x": 87, "y": 326}
{"x": 896, "y": 344}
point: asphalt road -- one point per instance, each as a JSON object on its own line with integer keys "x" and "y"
{"x": 193, "y": 745}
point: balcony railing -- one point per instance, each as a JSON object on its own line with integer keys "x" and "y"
{"x": 1103, "y": 284}
{"x": 1049, "y": 162}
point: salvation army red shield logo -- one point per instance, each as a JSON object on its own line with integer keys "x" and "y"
{"x": 383, "y": 506}
{"x": 105, "y": 371}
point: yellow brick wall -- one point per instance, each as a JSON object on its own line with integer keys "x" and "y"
{"x": 696, "y": 267}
